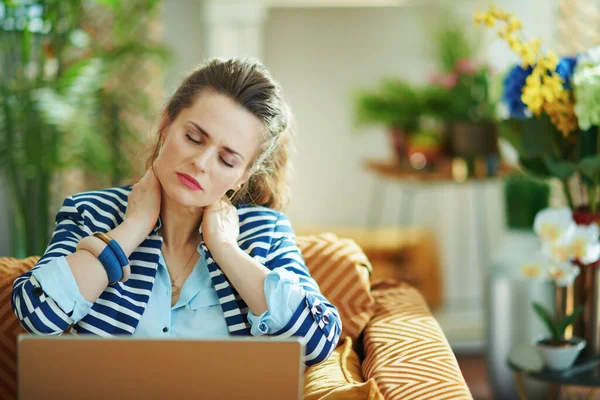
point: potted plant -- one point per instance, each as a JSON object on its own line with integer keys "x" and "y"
{"x": 424, "y": 149}
{"x": 396, "y": 105}
{"x": 553, "y": 124}
{"x": 558, "y": 352}
{"x": 460, "y": 96}
{"x": 73, "y": 98}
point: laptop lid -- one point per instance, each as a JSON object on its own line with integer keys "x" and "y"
{"x": 82, "y": 367}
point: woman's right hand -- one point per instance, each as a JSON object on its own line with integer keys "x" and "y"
{"x": 143, "y": 206}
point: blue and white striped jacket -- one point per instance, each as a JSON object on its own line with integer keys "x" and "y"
{"x": 265, "y": 234}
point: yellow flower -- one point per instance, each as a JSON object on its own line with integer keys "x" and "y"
{"x": 527, "y": 55}
{"x": 515, "y": 46}
{"x": 535, "y": 44}
{"x": 532, "y": 97}
{"x": 488, "y": 19}
{"x": 549, "y": 61}
{"x": 514, "y": 24}
{"x": 543, "y": 91}
{"x": 498, "y": 13}
{"x": 547, "y": 94}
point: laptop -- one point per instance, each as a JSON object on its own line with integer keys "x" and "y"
{"x": 86, "y": 367}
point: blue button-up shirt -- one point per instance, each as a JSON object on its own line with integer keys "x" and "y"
{"x": 197, "y": 312}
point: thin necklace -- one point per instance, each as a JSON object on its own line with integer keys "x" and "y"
{"x": 174, "y": 288}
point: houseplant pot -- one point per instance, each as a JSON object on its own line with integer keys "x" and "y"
{"x": 399, "y": 142}
{"x": 560, "y": 355}
{"x": 558, "y": 352}
{"x": 470, "y": 139}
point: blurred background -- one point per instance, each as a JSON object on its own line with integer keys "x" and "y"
{"x": 399, "y": 144}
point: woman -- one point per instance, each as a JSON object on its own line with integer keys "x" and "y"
{"x": 197, "y": 247}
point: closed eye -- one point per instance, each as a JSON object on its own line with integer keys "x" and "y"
{"x": 197, "y": 142}
{"x": 192, "y": 140}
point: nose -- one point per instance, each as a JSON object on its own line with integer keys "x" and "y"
{"x": 203, "y": 160}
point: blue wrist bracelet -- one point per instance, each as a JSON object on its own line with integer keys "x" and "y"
{"x": 114, "y": 271}
{"x": 123, "y": 260}
{"x": 114, "y": 246}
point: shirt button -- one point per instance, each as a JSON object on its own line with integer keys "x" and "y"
{"x": 165, "y": 329}
{"x": 263, "y": 327}
{"x": 325, "y": 319}
{"x": 37, "y": 291}
{"x": 319, "y": 309}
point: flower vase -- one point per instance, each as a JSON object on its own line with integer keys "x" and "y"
{"x": 586, "y": 292}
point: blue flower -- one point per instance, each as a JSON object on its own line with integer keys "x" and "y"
{"x": 565, "y": 69}
{"x": 513, "y": 89}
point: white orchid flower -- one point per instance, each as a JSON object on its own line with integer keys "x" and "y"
{"x": 584, "y": 243}
{"x": 535, "y": 268}
{"x": 564, "y": 274}
{"x": 580, "y": 243}
{"x": 559, "y": 251}
{"x": 552, "y": 224}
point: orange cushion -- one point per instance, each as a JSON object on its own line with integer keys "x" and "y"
{"x": 404, "y": 340}
{"x": 10, "y": 327}
{"x": 342, "y": 271}
{"x": 339, "y": 377}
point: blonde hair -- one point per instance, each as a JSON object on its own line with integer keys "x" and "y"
{"x": 247, "y": 82}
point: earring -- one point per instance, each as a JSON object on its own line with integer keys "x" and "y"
{"x": 233, "y": 192}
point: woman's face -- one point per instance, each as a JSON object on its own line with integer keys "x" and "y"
{"x": 213, "y": 141}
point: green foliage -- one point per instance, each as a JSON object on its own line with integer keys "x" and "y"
{"x": 557, "y": 326}
{"x": 66, "y": 82}
{"x": 453, "y": 43}
{"x": 524, "y": 197}
{"x": 394, "y": 104}
{"x": 466, "y": 94}
{"x": 546, "y": 153}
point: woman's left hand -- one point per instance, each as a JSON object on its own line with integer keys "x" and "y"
{"x": 220, "y": 225}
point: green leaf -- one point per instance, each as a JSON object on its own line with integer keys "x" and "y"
{"x": 538, "y": 137}
{"x": 560, "y": 169}
{"x": 546, "y": 318}
{"x": 512, "y": 131}
{"x": 535, "y": 166}
{"x": 590, "y": 167}
{"x": 568, "y": 320}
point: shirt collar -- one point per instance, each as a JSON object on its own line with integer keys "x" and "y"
{"x": 158, "y": 225}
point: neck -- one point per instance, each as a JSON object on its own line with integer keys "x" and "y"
{"x": 179, "y": 228}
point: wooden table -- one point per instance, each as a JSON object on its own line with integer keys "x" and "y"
{"x": 447, "y": 171}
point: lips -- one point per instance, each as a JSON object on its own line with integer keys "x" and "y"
{"x": 189, "y": 181}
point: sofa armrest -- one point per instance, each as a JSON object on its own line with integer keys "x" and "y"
{"x": 406, "y": 351}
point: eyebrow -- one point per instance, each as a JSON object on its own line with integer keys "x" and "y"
{"x": 203, "y": 132}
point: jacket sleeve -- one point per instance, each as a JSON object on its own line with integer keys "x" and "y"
{"x": 38, "y": 312}
{"x": 315, "y": 320}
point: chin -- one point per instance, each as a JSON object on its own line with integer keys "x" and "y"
{"x": 186, "y": 197}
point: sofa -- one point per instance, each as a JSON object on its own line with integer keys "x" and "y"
{"x": 391, "y": 346}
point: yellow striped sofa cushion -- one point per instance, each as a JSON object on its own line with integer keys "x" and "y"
{"x": 10, "y": 328}
{"x": 339, "y": 378}
{"x": 342, "y": 271}
{"x": 405, "y": 350}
